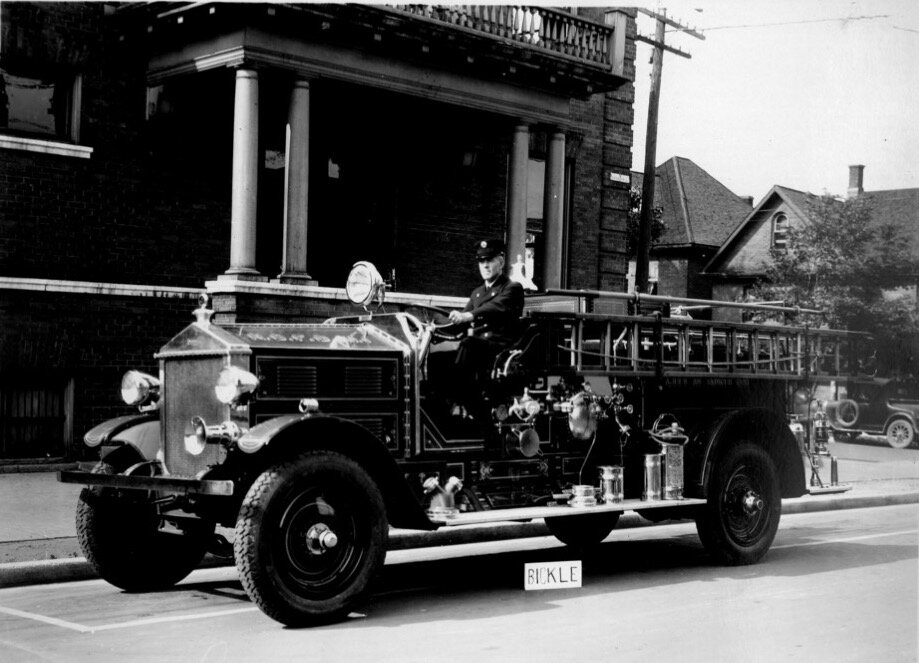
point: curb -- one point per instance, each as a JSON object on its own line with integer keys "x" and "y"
{"x": 16, "y": 574}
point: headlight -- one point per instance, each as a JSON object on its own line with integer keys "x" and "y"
{"x": 364, "y": 284}
{"x": 138, "y": 388}
{"x": 233, "y": 383}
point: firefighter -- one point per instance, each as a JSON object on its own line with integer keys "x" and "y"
{"x": 493, "y": 313}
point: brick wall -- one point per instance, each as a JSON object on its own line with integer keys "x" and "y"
{"x": 90, "y": 339}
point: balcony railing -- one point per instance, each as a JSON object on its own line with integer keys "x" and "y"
{"x": 538, "y": 27}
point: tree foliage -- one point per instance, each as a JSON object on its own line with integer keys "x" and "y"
{"x": 856, "y": 269}
{"x": 633, "y": 223}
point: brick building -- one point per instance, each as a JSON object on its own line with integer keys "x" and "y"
{"x": 698, "y": 213}
{"x": 150, "y": 151}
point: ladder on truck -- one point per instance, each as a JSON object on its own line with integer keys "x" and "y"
{"x": 657, "y": 345}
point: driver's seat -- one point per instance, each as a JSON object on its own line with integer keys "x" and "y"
{"x": 510, "y": 361}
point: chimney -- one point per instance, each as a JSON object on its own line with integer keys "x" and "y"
{"x": 748, "y": 200}
{"x": 856, "y": 181}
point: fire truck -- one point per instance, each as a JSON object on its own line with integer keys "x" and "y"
{"x": 310, "y": 441}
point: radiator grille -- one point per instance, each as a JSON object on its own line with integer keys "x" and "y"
{"x": 327, "y": 378}
{"x": 297, "y": 381}
{"x": 363, "y": 381}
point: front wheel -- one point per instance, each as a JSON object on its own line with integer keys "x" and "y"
{"x": 586, "y": 530}
{"x": 741, "y": 517}
{"x": 899, "y": 433}
{"x": 121, "y": 537}
{"x": 310, "y": 537}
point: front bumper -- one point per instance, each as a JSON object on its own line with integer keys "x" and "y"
{"x": 169, "y": 485}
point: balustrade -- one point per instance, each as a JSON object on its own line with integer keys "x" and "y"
{"x": 540, "y": 27}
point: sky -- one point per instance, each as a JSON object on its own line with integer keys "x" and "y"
{"x": 788, "y": 92}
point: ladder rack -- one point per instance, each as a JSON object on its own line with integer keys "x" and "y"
{"x": 658, "y": 345}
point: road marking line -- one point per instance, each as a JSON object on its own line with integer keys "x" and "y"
{"x": 173, "y": 618}
{"x": 80, "y": 628}
{"x": 47, "y": 620}
{"x": 846, "y": 540}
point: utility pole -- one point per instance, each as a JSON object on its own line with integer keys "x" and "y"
{"x": 650, "y": 171}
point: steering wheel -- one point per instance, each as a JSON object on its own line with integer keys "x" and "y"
{"x": 436, "y": 320}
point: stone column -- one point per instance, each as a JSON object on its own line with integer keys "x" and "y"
{"x": 517, "y": 194}
{"x": 296, "y": 195}
{"x": 554, "y": 213}
{"x": 245, "y": 178}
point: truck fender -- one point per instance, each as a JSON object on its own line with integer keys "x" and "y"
{"x": 900, "y": 413}
{"x": 761, "y": 426}
{"x": 293, "y": 433}
{"x": 141, "y": 432}
{"x": 103, "y": 433}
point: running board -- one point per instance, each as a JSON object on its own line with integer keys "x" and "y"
{"x": 533, "y": 512}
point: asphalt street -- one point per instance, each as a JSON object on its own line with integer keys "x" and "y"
{"x": 837, "y": 586}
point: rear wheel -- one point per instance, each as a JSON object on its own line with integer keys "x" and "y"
{"x": 740, "y": 520}
{"x": 120, "y": 535}
{"x": 310, "y": 537}
{"x": 580, "y": 531}
{"x": 899, "y": 433}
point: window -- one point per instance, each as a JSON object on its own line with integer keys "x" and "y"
{"x": 40, "y": 105}
{"x": 780, "y": 231}
{"x": 653, "y": 276}
{"x": 35, "y": 416}
{"x": 536, "y": 183}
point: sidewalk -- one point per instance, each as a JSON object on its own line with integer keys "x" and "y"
{"x": 38, "y": 532}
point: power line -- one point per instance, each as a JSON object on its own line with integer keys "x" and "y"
{"x": 815, "y": 20}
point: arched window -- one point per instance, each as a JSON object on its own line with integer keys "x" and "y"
{"x": 780, "y": 231}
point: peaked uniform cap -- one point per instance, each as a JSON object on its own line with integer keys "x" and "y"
{"x": 489, "y": 248}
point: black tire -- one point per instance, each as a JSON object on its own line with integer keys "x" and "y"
{"x": 119, "y": 534}
{"x": 741, "y": 517}
{"x": 283, "y": 557}
{"x": 900, "y": 433}
{"x": 582, "y": 531}
{"x": 847, "y": 412}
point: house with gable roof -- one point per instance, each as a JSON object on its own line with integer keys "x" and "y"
{"x": 744, "y": 257}
{"x": 698, "y": 213}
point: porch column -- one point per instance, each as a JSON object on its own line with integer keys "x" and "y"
{"x": 554, "y": 212}
{"x": 296, "y": 195}
{"x": 517, "y": 194}
{"x": 245, "y": 178}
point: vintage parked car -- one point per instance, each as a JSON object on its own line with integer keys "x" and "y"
{"x": 882, "y": 406}
{"x": 312, "y": 439}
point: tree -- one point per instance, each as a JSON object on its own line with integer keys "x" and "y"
{"x": 634, "y": 219}
{"x": 856, "y": 270}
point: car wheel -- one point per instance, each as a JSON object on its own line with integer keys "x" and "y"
{"x": 120, "y": 536}
{"x": 581, "y": 531}
{"x": 740, "y": 519}
{"x": 310, "y": 537}
{"x": 899, "y": 433}
{"x": 847, "y": 412}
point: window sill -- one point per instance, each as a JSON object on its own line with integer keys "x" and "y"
{"x": 45, "y": 147}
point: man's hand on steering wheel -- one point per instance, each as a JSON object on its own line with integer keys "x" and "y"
{"x": 457, "y": 317}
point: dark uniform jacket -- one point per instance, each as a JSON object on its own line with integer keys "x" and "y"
{"x": 497, "y": 311}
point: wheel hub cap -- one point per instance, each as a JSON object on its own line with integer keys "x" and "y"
{"x": 320, "y": 538}
{"x": 752, "y": 503}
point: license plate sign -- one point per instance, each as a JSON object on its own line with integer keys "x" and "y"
{"x": 552, "y": 575}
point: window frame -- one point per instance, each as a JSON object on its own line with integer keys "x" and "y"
{"x": 65, "y": 144}
{"x": 779, "y": 235}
